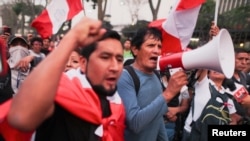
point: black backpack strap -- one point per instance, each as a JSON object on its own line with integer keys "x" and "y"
{"x": 157, "y": 73}
{"x": 135, "y": 78}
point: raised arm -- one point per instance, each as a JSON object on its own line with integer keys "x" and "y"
{"x": 34, "y": 101}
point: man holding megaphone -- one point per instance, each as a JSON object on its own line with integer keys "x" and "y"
{"x": 145, "y": 109}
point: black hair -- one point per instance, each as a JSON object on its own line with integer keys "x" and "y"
{"x": 78, "y": 50}
{"x": 88, "y": 50}
{"x": 38, "y": 39}
{"x": 140, "y": 35}
{"x": 240, "y": 50}
{"x": 47, "y": 38}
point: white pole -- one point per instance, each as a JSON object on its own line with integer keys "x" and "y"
{"x": 216, "y": 11}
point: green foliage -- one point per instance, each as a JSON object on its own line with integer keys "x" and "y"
{"x": 38, "y": 9}
{"x": 236, "y": 21}
{"x": 19, "y": 7}
{"x": 22, "y": 7}
{"x": 237, "y": 18}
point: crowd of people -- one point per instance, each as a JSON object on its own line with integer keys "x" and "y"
{"x": 78, "y": 89}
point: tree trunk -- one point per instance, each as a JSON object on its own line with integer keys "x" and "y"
{"x": 154, "y": 10}
{"x": 101, "y": 10}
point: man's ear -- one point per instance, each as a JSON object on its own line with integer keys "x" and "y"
{"x": 83, "y": 64}
{"x": 134, "y": 50}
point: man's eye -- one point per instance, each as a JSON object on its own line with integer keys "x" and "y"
{"x": 120, "y": 59}
{"x": 75, "y": 61}
{"x": 105, "y": 57}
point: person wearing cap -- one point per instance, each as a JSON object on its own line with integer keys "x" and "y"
{"x": 18, "y": 49}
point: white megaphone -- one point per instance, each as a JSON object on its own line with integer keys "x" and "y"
{"x": 217, "y": 55}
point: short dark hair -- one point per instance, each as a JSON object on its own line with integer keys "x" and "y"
{"x": 38, "y": 39}
{"x": 140, "y": 35}
{"x": 88, "y": 50}
{"x": 240, "y": 50}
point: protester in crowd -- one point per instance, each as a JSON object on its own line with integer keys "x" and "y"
{"x": 126, "y": 50}
{"x": 145, "y": 109}
{"x": 36, "y": 44}
{"x": 7, "y": 133}
{"x": 18, "y": 49}
{"x": 45, "y": 47}
{"x": 241, "y": 62}
{"x": 247, "y": 69}
{"x": 240, "y": 77}
{"x": 176, "y": 108}
{"x": 208, "y": 83}
{"x": 75, "y": 60}
{"x": 80, "y": 107}
{"x": 52, "y": 45}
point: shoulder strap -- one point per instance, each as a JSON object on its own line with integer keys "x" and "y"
{"x": 215, "y": 94}
{"x": 135, "y": 78}
{"x": 157, "y": 74}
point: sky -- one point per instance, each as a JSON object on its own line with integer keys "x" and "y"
{"x": 120, "y": 13}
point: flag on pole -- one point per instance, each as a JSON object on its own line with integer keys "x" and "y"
{"x": 55, "y": 14}
{"x": 178, "y": 28}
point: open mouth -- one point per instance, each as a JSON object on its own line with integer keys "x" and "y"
{"x": 111, "y": 80}
{"x": 154, "y": 59}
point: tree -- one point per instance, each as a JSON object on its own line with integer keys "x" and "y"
{"x": 18, "y": 14}
{"x": 134, "y": 7}
{"x": 101, "y": 5}
{"x": 236, "y": 21}
{"x": 154, "y": 10}
{"x": 238, "y": 24}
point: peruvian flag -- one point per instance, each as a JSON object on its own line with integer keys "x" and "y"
{"x": 178, "y": 28}
{"x": 55, "y": 14}
{"x": 8, "y": 132}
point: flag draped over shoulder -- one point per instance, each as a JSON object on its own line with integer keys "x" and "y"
{"x": 178, "y": 28}
{"x": 76, "y": 95}
{"x": 55, "y": 14}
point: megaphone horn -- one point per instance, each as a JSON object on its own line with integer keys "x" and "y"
{"x": 217, "y": 55}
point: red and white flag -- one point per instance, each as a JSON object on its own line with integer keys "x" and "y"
{"x": 179, "y": 26}
{"x": 55, "y": 14}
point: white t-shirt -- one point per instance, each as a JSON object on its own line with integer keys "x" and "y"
{"x": 17, "y": 76}
{"x": 42, "y": 55}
